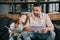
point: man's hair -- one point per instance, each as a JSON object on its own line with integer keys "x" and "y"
{"x": 36, "y": 5}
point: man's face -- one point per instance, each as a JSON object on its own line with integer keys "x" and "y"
{"x": 36, "y": 10}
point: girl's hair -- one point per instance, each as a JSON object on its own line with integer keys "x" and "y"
{"x": 17, "y": 23}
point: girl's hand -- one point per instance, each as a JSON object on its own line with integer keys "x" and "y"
{"x": 27, "y": 28}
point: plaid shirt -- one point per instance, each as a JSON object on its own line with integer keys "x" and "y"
{"x": 37, "y": 24}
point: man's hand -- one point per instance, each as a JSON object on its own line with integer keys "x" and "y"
{"x": 44, "y": 30}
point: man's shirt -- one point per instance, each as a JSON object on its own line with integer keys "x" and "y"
{"x": 37, "y": 24}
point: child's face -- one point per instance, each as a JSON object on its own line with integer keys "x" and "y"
{"x": 23, "y": 18}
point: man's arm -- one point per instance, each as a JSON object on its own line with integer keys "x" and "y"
{"x": 50, "y": 26}
{"x": 26, "y": 27}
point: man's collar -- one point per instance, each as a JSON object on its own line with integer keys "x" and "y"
{"x": 39, "y": 15}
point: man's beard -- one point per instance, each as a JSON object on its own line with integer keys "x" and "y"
{"x": 37, "y": 15}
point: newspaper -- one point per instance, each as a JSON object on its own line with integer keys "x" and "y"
{"x": 37, "y": 27}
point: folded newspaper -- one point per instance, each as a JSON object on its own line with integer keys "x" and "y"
{"x": 37, "y": 27}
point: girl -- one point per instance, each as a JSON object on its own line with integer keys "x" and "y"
{"x": 18, "y": 27}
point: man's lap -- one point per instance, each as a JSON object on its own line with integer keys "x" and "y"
{"x": 40, "y": 35}
{"x": 34, "y": 35}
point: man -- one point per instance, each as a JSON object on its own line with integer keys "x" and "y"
{"x": 40, "y": 24}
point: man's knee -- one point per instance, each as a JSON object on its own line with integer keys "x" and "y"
{"x": 24, "y": 34}
{"x": 52, "y": 34}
